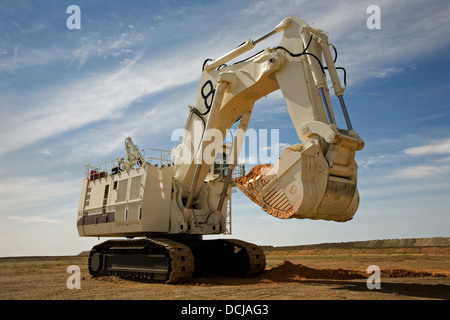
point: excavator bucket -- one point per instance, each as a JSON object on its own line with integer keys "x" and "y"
{"x": 304, "y": 185}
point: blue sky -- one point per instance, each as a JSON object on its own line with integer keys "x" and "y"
{"x": 71, "y": 97}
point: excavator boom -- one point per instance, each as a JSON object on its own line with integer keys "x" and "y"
{"x": 315, "y": 179}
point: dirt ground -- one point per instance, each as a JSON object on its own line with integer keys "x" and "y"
{"x": 319, "y": 274}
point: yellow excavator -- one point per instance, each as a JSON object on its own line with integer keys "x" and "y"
{"x": 164, "y": 204}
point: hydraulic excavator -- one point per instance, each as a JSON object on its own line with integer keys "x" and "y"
{"x": 163, "y": 205}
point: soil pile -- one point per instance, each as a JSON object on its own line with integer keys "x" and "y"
{"x": 288, "y": 271}
{"x": 403, "y": 273}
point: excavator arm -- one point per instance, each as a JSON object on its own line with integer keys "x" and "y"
{"x": 314, "y": 179}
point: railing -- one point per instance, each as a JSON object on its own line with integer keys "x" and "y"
{"x": 152, "y": 156}
{"x": 238, "y": 172}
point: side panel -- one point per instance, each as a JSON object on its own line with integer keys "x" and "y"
{"x": 126, "y": 201}
{"x": 94, "y": 212}
{"x": 111, "y": 205}
{"x": 156, "y": 199}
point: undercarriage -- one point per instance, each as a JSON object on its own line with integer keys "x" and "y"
{"x": 171, "y": 261}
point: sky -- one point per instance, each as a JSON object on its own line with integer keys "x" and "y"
{"x": 69, "y": 97}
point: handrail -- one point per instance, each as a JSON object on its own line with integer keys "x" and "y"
{"x": 162, "y": 157}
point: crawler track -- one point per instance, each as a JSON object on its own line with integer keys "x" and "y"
{"x": 168, "y": 261}
{"x": 156, "y": 260}
{"x": 257, "y": 259}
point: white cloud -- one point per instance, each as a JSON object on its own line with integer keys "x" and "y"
{"x": 278, "y": 146}
{"x": 372, "y": 161}
{"x": 17, "y": 56}
{"x": 25, "y": 57}
{"x": 103, "y": 96}
{"x": 443, "y": 160}
{"x": 435, "y": 147}
{"x": 423, "y": 172}
{"x": 35, "y": 219}
{"x": 433, "y": 162}
{"x": 27, "y": 196}
{"x": 98, "y": 97}
{"x": 143, "y": 127}
{"x": 368, "y": 54}
{"x": 387, "y": 72}
{"x": 46, "y": 152}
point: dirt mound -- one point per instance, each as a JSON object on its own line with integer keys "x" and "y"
{"x": 403, "y": 273}
{"x": 288, "y": 271}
